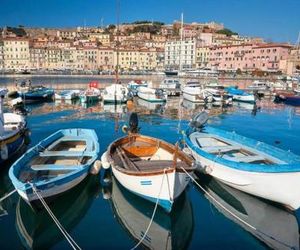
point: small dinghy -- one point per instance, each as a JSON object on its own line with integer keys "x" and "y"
{"x": 149, "y": 167}
{"x": 245, "y": 164}
{"x": 56, "y": 164}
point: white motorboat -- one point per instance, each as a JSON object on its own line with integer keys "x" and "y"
{"x": 115, "y": 93}
{"x": 151, "y": 95}
{"x": 67, "y": 94}
{"x": 194, "y": 92}
{"x": 171, "y": 86}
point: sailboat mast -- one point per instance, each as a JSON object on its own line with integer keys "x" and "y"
{"x": 118, "y": 41}
{"x": 181, "y": 39}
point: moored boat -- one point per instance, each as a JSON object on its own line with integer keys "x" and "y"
{"x": 246, "y": 164}
{"x": 56, "y": 164}
{"x": 151, "y": 95}
{"x": 287, "y": 97}
{"x": 67, "y": 94}
{"x": 240, "y": 95}
{"x": 37, "y": 94}
{"x": 194, "y": 92}
{"x": 12, "y": 131}
{"x": 171, "y": 86}
{"x": 133, "y": 85}
{"x": 90, "y": 95}
{"x": 149, "y": 167}
{"x": 115, "y": 93}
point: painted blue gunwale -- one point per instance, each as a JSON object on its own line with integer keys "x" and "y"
{"x": 14, "y": 146}
{"x": 292, "y": 161}
{"x": 57, "y": 181}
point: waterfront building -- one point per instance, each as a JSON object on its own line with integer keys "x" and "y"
{"x": 106, "y": 58}
{"x": 180, "y": 53}
{"x": 291, "y": 65}
{"x": 16, "y": 53}
{"x": 90, "y": 58}
{"x": 267, "y": 56}
{"x": 37, "y": 57}
{"x": 248, "y": 57}
{"x": 54, "y": 59}
{"x": 202, "y": 56}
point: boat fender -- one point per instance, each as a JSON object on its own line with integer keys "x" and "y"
{"x": 106, "y": 193}
{"x": 105, "y": 163}
{"x": 205, "y": 169}
{"x": 4, "y": 152}
{"x": 124, "y": 129}
{"x": 95, "y": 169}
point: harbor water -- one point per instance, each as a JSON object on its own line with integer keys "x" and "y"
{"x": 99, "y": 213}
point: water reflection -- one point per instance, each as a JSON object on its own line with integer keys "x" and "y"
{"x": 150, "y": 107}
{"x": 168, "y": 231}
{"x": 274, "y": 226}
{"x": 37, "y": 230}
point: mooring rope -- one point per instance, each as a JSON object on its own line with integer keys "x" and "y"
{"x": 68, "y": 237}
{"x": 153, "y": 214}
{"x": 208, "y": 194}
{"x": 7, "y": 195}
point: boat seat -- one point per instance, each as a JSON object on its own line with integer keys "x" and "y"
{"x": 246, "y": 159}
{"x": 54, "y": 167}
{"x": 221, "y": 149}
{"x": 47, "y": 153}
{"x": 145, "y": 165}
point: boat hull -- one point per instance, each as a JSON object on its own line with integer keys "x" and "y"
{"x": 87, "y": 99}
{"x": 56, "y": 188}
{"x": 149, "y": 187}
{"x": 264, "y": 185}
{"x": 197, "y": 98}
{"x": 13, "y": 144}
{"x": 150, "y": 97}
{"x": 244, "y": 98}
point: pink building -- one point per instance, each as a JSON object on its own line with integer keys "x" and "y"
{"x": 248, "y": 57}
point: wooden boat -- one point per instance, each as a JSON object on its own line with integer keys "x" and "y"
{"x": 172, "y": 231}
{"x": 151, "y": 95}
{"x": 67, "y": 95}
{"x": 272, "y": 225}
{"x": 56, "y": 164}
{"x": 12, "y": 131}
{"x": 246, "y": 164}
{"x": 149, "y": 167}
{"x": 240, "y": 95}
{"x": 115, "y": 93}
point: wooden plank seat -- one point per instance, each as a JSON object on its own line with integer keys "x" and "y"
{"x": 145, "y": 165}
{"x": 246, "y": 159}
{"x": 47, "y": 153}
{"x": 220, "y": 149}
{"x": 53, "y": 167}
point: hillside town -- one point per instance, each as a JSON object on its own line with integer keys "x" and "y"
{"x": 142, "y": 46}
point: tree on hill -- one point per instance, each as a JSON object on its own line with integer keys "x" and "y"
{"x": 226, "y": 32}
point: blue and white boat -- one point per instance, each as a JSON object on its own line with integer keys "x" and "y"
{"x": 133, "y": 85}
{"x": 56, "y": 164}
{"x": 240, "y": 95}
{"x": 12, "y": 131}
{"x": 246, "y": 164}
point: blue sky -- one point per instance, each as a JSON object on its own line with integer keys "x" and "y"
{"x": 277, "y": 20}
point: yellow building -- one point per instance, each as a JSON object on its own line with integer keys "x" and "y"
{"x": 16, "y": 53}
{"x": 202, "y": 56}
{"x": 106, "y": 58}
